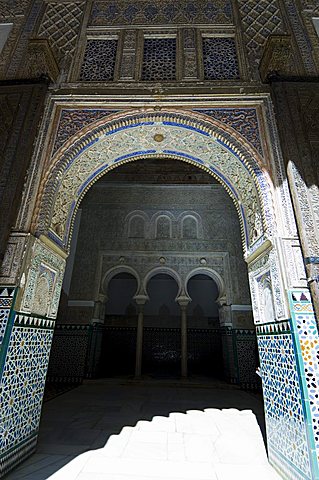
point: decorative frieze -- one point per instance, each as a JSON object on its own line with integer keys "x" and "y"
{"x": 301, "y": 36}
{"x": 198, "y": 146}
{"x": 242, "y": 120}
{"x": 12, "y": 262}
{"x": 13, "y": 8}
{"x": 144, "y": 12}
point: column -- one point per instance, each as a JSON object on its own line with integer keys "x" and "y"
{"x": 226, "y": 325}
{"x": 140, "y": 301}
{"x": 99, "y": 310}
{"x": 183, "y": 303}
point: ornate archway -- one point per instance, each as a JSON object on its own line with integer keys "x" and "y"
{"x": 270, "y": 245}
{"x": 188, "y": 137}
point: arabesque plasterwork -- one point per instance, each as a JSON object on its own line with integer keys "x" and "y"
{"x": 78, "y": 166}
{"x": 41, "y": 280}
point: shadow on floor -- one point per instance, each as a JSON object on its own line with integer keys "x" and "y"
{"x": 84, "y": 418}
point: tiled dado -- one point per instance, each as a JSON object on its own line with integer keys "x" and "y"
{"x": 288, "y": 357}
{"x": 305, "y": 333}
{"x": 22, "y": 387}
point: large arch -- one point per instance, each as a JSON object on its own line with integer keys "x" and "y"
{"x": 270, "y": 245}
{"x": 191, "y": 138}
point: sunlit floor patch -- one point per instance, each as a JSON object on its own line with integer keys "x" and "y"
{"x": 139, "y": 432}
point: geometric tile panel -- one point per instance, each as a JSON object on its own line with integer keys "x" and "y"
{"x": 22, "y": 383}
{"x": 159, "y": 61}
{"x": 220, "y": 59}
{"x": 6, "y": 299}
{"x": 99, "y": 61}
{"x": 284, "y": 408}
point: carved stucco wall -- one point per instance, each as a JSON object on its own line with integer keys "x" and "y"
{"x": 21, "y": 107}
{"x": 297, "y": 107}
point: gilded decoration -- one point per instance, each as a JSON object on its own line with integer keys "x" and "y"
{"x": 112, "y": 144}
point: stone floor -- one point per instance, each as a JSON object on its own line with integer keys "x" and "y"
{"x": 122, "y": 430}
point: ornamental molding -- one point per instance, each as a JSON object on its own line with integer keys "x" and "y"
{"x": 40, "y": 60}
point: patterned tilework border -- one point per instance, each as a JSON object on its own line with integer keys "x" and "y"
{"x": 23, "y": 380}
{"x": 73, "y": 120}
{"x": 305, "y": 332}
{"x": 285, "y": 413}
{"x": 23, "y": 320}
{"x": 242, "y": 120}
{"x": 301, "y": 36}
{"x": 6, "y": 300}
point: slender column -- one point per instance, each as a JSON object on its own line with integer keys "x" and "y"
{"x": 99, "y": 310}
{"x": 140, "y": 300}
{"x": 183, "y": 303}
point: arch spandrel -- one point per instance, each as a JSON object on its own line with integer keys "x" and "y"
{"x": 135, "y": 138}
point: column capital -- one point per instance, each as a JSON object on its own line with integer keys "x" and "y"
{"x": 141, "y": 299}
{"x": 183, "y": 300}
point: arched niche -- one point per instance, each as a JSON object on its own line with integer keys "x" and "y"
{"x": 163, "y": 227}
{"x": 209, "y": 272}
{"x": 112, "y": 272}
{"x": 121, "y": 291}
{"x": 136, "y": 224}
{"x": 166, "y": 271}
{"x": 189, "y": 227}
